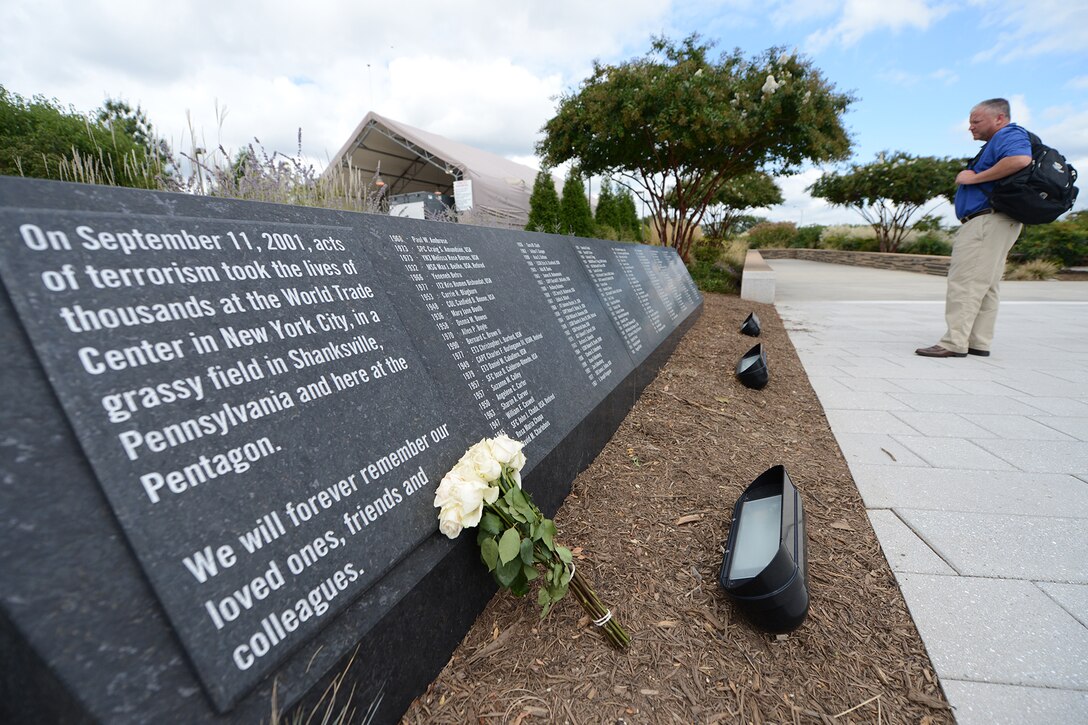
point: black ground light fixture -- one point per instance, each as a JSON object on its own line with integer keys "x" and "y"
{"x": 765, "y": 571}
{"x": 751, "y": 326}
{"x": 752, "y": 368}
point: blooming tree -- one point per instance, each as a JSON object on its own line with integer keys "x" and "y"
{"x": 736, "y": 195}
{"x": 676, "y": 124}
{"x": 891, "y": 191}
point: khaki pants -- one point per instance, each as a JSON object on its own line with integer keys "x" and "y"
{"x": 974, "y": 276}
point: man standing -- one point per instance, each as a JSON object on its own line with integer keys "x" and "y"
{"x": 984, "y": 240}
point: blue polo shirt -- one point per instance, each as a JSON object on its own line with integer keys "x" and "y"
{"x": 1012, "y": 140}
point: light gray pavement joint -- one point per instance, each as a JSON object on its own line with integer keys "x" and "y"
{"x": 974, "y": 472}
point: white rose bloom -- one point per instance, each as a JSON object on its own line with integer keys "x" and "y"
{"x": 471, "y": 519}
{"x": 770, "y": 86}
{"x": 443, "y": 495}
{"x": 449, "y": 521}
{"x": 507, "y": 451}
{"x": 517, "y": 478}
{"x": 483, "y": 460}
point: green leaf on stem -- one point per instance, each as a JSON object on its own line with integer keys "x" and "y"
{"x": 520, "y": 587}
{"x": 491, "y": 523}
{"x": 547, "y": 533}
{"x": 544, "y": 599}
{"x": 564, "y": 554}
{"x": 489, "y": 552}
{"x": 509, "y": 545}
{"x": 508, "y": 572}
{"x": 530, "y": 572}
{"x": 527, "y": 552}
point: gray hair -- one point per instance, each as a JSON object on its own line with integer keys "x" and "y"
{"x": 996, "y": 106}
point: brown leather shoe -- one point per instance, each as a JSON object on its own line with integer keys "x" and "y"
{"x": 938, "y": 351}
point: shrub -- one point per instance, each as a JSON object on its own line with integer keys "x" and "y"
{"x": 808, "y": 237}
{"x": 1065, "y": 241}
{"x": 771, "y": 234}
{"x": 706, "y": 250}
{"x": 928, "y": 243}
{"x": 1035, "y": 269}
{"x": 715, "y": 269}
{"x": 850, "y": 243}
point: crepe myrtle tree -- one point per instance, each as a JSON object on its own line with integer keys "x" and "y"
{"x": 676, "y": 124}
{"x": 734, "y": 197}
{"x": 891, "y": 190}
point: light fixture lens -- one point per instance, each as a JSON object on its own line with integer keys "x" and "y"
{"x": 759, "y": 535}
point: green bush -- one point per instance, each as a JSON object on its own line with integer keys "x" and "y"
{"x": 715, "y": 276}
{"x": 850, "y": 243}
{"x": 707, "y": 250}
{"x": 927, "y": 243}
{"x": 808, "y": 237}
{"x": 771, "y": 234}
{"x": 716, "y": 268}
{"x": 1065, "y": 241}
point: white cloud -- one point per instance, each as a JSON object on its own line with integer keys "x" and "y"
{"x": 482, "y": 68}
{"x": 1028, "y": 29}
{"x": 487, "y": 104}
{"x": 801, "y": 208}
{"x": 1080, "y": 83}
{"x": 861, "y": 17}
{"x": 1019, "y": 110}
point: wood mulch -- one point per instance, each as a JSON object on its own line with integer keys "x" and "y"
{"x": 649, "y": 518}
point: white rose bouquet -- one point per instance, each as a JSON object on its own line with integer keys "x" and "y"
{"x": 516, "y": 542}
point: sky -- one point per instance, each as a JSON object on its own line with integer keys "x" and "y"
{"x": 490, "y": 73}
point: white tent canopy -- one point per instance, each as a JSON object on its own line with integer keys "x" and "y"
{"x": 411, "y": 160}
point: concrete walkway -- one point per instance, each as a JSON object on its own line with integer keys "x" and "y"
{"x": 974, "y": 472}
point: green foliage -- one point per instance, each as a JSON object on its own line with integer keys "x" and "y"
{"x": 1064, "y": 241}
{"x": 575, "y": 216}
{"x": 706, "y": 250}
{"x": 517, "y": 544}
{"x": 889, "y": 191}
{"x": 678, "y": 121}
{"x": 717, "y": 269}
{"x": 39, "y": 138}
{"x": 630, "y": 226}
{"x": 771, "y": 235}
{"x": 849, "y": 242}
{"x": 544, "y": 205}
{"x": 927, "y": 243}
{"x": 608, "y": 212}
{"x": 743, "y": 222}
{"x": 735, "y": 195}
{"x": 808, "y": 237}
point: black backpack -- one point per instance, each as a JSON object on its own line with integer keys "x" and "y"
{"x": 1041, "y": 191}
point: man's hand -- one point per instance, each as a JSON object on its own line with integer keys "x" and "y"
{"x": 1005, "y": 167}
{"x": 966, "y": 177}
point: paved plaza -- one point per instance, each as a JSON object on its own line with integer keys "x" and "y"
{"x": 974, "y": 473}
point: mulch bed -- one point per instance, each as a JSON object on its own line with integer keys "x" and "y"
{"x": 650, "y": 516}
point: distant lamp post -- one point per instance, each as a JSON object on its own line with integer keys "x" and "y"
{"x": 765, "y": 570}
{"x": 752, "y": 368}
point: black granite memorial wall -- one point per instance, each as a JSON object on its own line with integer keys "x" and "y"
{"x": 225, "y": 421}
